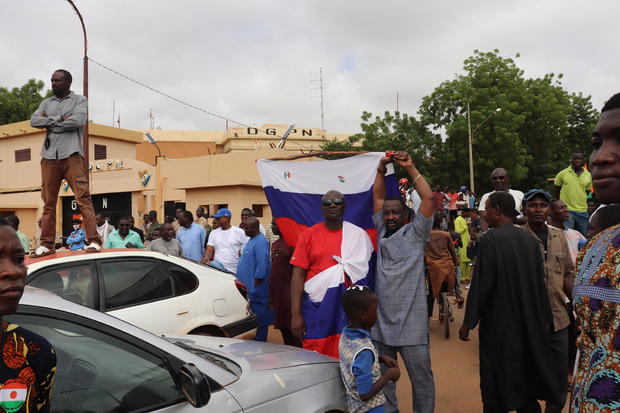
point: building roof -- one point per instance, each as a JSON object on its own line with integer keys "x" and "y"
{"x": 17, "y": 129}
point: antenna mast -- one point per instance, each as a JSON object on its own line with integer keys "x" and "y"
{"x": 320, "y": 88}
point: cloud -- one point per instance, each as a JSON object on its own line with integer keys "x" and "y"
{"x": 253, "y": 60}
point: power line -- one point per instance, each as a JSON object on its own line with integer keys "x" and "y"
{"x": 186, "y": 103}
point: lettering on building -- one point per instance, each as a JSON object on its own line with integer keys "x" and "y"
{"x": 272, "y": 131}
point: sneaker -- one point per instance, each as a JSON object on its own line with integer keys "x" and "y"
{"x": 93, "y": 247}
{"x": 467, "y": 287}
{"x": 42, "y": 251}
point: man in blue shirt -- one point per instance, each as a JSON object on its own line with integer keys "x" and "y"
{"x": 191, "y": 236}
{"x": 253, "y": 270}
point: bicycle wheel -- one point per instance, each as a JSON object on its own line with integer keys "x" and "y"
{"x": 446, "y": 314}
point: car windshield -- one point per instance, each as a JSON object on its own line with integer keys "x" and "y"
{"x": 222, "y": 362}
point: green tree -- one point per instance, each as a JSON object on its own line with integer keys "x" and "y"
{"x": 524, "y": 125}
{"x": 395, "y": 131}
{"x": 17, "y": 105}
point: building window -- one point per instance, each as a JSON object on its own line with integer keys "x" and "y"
{"x": 101, "y": 152}
{"x": 220, "y": 206}
{"x": 22, "y": 155}
{"x": 258, "y": 210}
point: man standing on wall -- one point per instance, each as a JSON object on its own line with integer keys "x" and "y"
{"x": 63, "y": 117}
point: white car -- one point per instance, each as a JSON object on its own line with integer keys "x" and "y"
{"x": 154, "y": 291}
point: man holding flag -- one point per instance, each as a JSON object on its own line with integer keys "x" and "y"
{"x": 327, "y": 254}
{"x": 402, "y": 323}
{"x": 323, "y": 209}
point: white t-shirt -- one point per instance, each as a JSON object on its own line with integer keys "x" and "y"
{"x": 517, "y": 195}
{"x": 227, "y": 246}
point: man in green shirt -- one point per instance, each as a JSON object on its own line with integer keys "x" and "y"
{"x": 123, "y": 237}
{"x": 14, "y": 222}
{"x": 571, "y": 185}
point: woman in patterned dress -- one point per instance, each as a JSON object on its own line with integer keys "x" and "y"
{"x": 597, "y": 287}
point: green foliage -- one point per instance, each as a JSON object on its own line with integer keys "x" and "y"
{"x": 19, "y": 103}
{"x": 527, "y": 126}
{"x": 532, "y": 135}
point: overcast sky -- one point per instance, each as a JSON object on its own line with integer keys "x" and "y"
{"x": 251, "y": 61}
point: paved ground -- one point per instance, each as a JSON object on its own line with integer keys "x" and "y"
{"x": 455, "y": 367}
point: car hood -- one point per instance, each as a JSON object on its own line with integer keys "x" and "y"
{"x": 259, "y": 355}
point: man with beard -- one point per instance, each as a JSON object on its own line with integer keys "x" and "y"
{"x": 402, "y": 324}
{"x": 509, "y": 299}
{"x": 596, "y": 293}
{"x": 319, "y": 264}
{"x": 501, "y": 183}
{"x": 571, "y": 185}
{"x": 559, "y": 277}
{"x": 63, "y": 117}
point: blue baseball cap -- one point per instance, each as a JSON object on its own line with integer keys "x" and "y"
{"x": 535, "y": 192}
{"x": 222, "y": 212}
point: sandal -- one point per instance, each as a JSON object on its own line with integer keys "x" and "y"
{"x": 93, "y": 247}
{"x": 42, "y": 252}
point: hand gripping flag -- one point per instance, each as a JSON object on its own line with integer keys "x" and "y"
{"x": 294, "y": 190}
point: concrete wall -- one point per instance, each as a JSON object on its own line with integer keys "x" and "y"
{"x": 146, "y": 152}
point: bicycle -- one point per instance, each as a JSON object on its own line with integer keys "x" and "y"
{"x": 445, "y": 311}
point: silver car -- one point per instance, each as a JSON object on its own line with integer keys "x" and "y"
{"x": 107, "y": 365}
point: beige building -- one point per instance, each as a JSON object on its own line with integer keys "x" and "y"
{"x": 213, "y": 169}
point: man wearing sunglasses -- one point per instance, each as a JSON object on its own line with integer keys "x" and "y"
{"x": 501, "y": 183}
{"x": 402, "y": 323}
{"x": 325, "y": 254}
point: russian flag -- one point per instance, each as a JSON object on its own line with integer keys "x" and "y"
{"x": 294, "y": 190}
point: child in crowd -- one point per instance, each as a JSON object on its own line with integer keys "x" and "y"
{"x": 359, "y": 361}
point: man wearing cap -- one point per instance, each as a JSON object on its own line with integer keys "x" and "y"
{"x": 225, "y": 243}
{"x": 501, "y": 182}
{"x": 571, "y": 185}
{"x": 559, "y": 278}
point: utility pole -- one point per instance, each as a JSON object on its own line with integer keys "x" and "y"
{"x": 397, "y": 103}
{"x": 320, "y": 88}
{"x": 471, "y": 154}
{"x": 151, "y": 120}
{"x": 85, "y": 84}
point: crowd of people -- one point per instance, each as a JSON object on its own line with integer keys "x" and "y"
{"x": 542, "y": 273}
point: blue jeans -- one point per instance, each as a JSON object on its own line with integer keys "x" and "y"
{"x": 578, "y": 221}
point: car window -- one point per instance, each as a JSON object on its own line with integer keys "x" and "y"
{"x": 73, "y": 283}
{"x": 130, "y": 283}
{"x": 184, "y": 280}
{"x": 96, "y": 372}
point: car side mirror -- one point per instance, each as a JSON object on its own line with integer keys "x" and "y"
{"x": 194, "y": 385}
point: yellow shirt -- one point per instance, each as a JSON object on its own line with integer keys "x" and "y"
{"x": 574, "y": 188}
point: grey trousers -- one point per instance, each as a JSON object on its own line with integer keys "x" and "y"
{"x": 418, "y": 363}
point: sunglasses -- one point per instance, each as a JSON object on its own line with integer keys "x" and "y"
{"x": 356, "y": 288}
{"x": 498, "y": 178}
{"x": 335, "y": 201}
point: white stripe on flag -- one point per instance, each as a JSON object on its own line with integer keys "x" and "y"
{"x": 350, "y": 175}
{"x": 18, "y": 395}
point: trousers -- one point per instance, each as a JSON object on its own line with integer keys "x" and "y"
{"x": 72, "y": 169}
{"x": 418, "y": 363}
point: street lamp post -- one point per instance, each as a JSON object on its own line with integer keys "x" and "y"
{"x": 85, "y": 84}
{"x": 470, "y": 141}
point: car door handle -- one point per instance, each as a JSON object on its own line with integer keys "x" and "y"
{"x": 183, "y": 312}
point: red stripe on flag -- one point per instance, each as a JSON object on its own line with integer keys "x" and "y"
{"x": 327, "y": 346}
